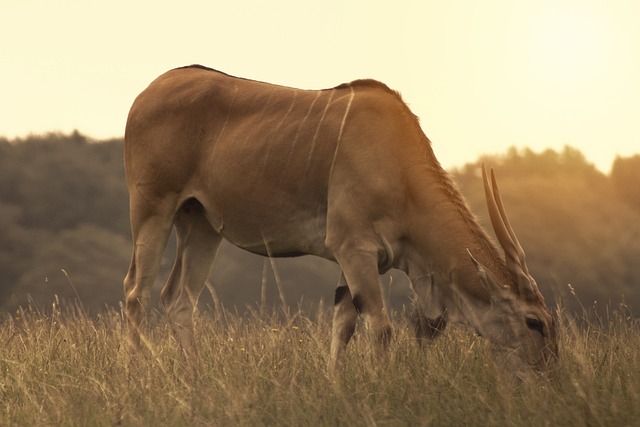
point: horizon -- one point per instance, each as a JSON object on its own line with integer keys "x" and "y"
{"x": 519, "y": 149}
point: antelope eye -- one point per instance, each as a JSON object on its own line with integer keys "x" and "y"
{"x": 535, "y": 324}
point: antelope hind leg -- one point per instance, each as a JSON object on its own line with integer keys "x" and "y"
{"x": 197, "y": 247}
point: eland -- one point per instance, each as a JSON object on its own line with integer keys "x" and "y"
{"x": 345, "y": 174}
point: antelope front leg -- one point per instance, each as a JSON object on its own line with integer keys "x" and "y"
{"x": 362, "y": 295}
{"x": 344, "y": 323}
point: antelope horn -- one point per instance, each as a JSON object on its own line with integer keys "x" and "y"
{"x": 514, "y": 253}
{"x": 505, "y": 218}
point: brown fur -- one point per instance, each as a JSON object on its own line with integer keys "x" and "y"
{"x": 345, "y": 174}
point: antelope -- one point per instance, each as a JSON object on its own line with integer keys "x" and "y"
{"x": 346, "y": 174}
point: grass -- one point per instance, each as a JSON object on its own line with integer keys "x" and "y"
{"x": 63, "y": 367}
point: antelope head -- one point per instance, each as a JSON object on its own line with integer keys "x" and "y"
{"x": 518, "y": 324}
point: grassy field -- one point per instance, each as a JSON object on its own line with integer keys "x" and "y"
{"x": 66, "y": 368}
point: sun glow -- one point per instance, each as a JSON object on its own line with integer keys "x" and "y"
{"x": 566, "y": 48}
{"x": 482, "y": 75}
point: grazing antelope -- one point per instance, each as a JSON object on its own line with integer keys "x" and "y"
{"x": 345, "y": 174}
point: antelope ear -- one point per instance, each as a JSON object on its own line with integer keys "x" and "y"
{"x": 495, "y": 289}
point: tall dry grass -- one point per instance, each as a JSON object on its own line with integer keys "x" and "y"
{"x": 62, "y": 367}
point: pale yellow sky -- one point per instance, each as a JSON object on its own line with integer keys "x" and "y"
{"x": 481, "y": 75}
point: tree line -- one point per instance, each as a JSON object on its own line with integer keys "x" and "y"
{"x": 64, "y": 230}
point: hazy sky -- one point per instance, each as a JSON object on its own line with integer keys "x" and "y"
{"x": 481, "y": 75}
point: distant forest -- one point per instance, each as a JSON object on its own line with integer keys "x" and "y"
{"x": 64, "y": 230}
